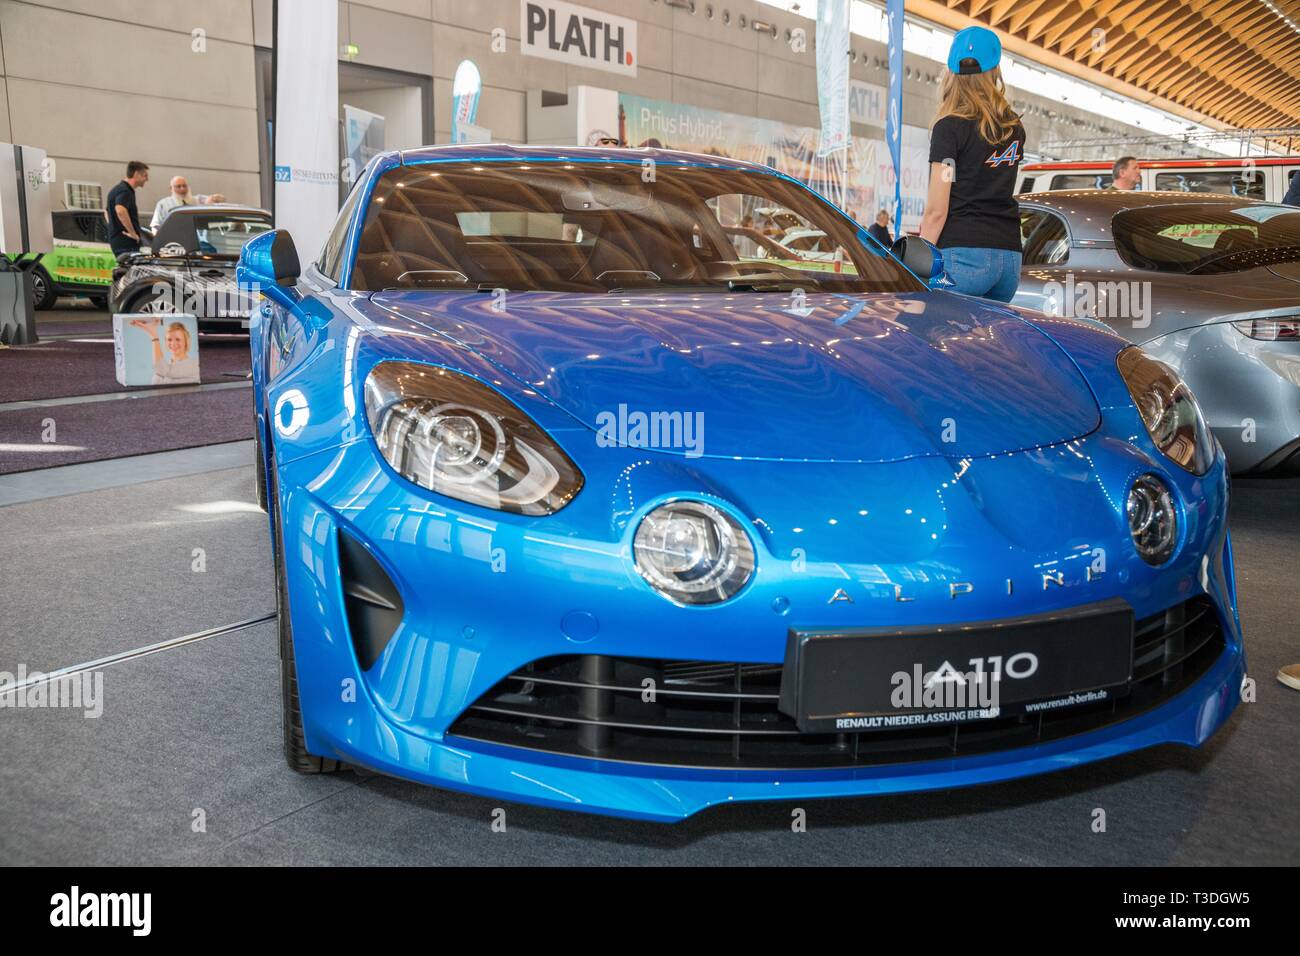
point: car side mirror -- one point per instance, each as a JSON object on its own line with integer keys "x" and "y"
{"x": 270, "y": 259}
{"x": 922, "y": 257}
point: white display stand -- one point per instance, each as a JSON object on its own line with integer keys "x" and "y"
{"x": 25, "y": 181}
{"x": 176, "y": 361}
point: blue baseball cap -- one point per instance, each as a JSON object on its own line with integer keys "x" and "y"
{"x": 974, "y": 50}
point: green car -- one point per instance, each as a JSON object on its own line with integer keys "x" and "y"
{"x": 81, "y": 262}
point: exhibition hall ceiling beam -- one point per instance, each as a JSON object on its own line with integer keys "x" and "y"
{"x": 1228, "y": 63}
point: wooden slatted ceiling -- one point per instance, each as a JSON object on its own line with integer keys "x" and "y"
{"x": 1232, "y": 60}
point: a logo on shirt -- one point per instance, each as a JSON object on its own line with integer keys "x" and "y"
{"x": 1010, "y": 156}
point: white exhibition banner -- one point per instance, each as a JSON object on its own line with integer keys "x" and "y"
{"x": 307, "y": 121}
{"x": 577, "y": 35}
{"x": 597, "y": 113}
{"x": 833, "y": 75}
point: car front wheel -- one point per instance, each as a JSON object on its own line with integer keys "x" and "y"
{"x": 43, "y": 294}
{"x": 295, "y": 742}
{"x": 153, "y": 303}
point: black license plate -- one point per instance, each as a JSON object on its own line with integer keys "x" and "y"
{"x": 889, "y": 678}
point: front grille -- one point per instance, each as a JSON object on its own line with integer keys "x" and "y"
{"x": 724, "y": 715}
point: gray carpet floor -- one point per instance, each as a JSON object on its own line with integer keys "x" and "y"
{"x": 197, "y": 729}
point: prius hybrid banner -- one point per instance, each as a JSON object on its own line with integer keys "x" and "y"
{"x": 306, "y": 121}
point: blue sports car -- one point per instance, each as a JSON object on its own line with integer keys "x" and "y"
{"x": 587, "y": 491}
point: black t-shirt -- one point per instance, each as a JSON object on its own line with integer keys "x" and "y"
{"x": 880, "y": 234}
{"x": 122, "y": 195}
{"x": 981, "y": 211}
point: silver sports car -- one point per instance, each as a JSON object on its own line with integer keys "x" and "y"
{"x": 1208, "y": 284}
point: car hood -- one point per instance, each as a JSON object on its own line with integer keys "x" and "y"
{"x": 867, "y": 378}
{"x": 1286, "y": 270}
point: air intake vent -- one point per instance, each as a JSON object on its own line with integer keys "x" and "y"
{"x": 374, "y": 607}
{"x": 718, "y": 714}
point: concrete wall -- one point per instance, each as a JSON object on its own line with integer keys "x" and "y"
{"x": 99, "y": 82}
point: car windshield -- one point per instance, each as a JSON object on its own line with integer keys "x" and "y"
{"x": 225, "y": 234}
{"x": 605, "y": 227}
{"x": 1207, "y": 238}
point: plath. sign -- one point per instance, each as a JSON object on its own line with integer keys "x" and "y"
{"x": 577, "y": 35}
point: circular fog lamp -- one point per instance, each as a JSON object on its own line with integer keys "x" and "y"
{"x": 693, "y": 553}
{"x": 1152, "y": 519}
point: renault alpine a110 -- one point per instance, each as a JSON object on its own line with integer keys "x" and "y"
{"x": 580, "y": 500}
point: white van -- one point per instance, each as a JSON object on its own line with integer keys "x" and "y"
{"x": 1266, "y": 177}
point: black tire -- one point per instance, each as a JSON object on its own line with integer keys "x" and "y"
{"x": 295, "y": 743}
{"x": 43, "y": 293}
{"x": 151, "y": 303}
{"x": 259, "y": 466}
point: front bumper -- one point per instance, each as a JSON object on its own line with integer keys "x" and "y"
{"x": 670, "y": 794}
{"x": 486, "y": 594}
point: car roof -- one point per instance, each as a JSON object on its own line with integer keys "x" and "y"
{"x": 1089, "y": 211}
{"x": 199, "y": 209}
{"x": 1194, "y": 163}
{"x": 582, "y": 154}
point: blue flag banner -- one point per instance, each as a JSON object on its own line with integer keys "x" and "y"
{"x": 894, "y": 116}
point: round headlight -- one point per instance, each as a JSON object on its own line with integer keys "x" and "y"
{"x": 1152, "y": 519}
{"x": 693, "y": 553}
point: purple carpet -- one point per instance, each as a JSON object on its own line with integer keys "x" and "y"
{"x": 94, "y": 431}
{"x": 65, "y": 327}
{"x": 56, "y": 368}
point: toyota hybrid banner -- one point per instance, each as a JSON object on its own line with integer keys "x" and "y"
{"x": 307, "y": 121}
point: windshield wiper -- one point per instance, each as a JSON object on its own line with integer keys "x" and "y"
{"x": 765, "y": 282}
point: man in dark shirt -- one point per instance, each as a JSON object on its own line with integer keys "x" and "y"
{"x": 1126, "y": 173}
{"x": 879, "y": 230}
{"x": 123, "y": 216}
{"x": 1292, "y": 197}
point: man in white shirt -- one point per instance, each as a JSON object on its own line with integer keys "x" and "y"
{"x": 180, "y": 196}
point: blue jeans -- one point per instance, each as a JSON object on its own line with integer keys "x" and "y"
{"x": 988, "y": 273}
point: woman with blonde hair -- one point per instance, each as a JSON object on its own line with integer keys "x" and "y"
{"x": 976, "y": 146}
{"x": 177, "y": 366}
